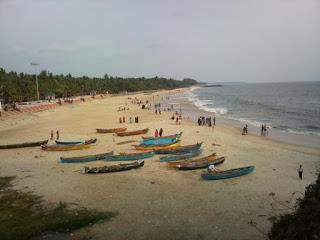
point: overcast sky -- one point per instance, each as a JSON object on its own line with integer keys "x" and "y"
{"x": 209, "y": 40}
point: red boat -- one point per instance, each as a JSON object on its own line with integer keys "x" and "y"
{"x": 137, "y": 132}
{"x": 111, "y": 130}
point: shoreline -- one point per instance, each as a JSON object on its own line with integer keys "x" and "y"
{"x": 297, "y": 139}
{"x": 156, "y": 201}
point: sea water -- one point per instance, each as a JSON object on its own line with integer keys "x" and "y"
{"x": 289, "y": 107}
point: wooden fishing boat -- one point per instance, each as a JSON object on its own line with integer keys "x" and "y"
{"x": 114, "y": 168}
{"x": 132, "y": 133}
{"x": 199, "y": 163}
{"x": 129, "y": 156}
{"x": 179, "y": 149}
{"x": 161, "y": 140}
{"x": 24, "y": 145}
{"x": 156, "y": 147}
{"x": 68, "y": 142}
{"x": 111, "y": 130}
{"x": 181, "y": 156}
{"x": 87, "y": 158}
{"x": 196, "y": 160}
{"x": 236, "y": 172}
{"x": 69, "y": 147}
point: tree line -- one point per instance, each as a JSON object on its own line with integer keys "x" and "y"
{"x": 17, "y": 87}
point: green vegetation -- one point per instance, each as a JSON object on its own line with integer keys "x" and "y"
{"x": 21, "y": 87}
{"x": 305, "y": 222}
{"x": 23, "y": 215}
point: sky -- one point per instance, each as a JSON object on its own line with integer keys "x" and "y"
{"x": 208, "y": 40}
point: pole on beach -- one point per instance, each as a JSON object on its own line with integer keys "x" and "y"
{"x": 35, "y": 65}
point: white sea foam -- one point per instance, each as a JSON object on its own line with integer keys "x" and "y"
{"x": 303, "y": 132}
{"x": 248, "y": 121}
{"x": 205, "y": 104}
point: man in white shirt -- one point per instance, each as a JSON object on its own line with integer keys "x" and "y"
{"x": 212, "y": 168}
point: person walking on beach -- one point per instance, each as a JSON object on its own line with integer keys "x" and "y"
{"x": 160, "y": 132}
{"x": 300, "y": 171}
{"x": 58, "y": 135}
{"x": 262, "y": 130}
{"x": 123, "y": 119}
{"x": 266, "y": 130}
{"x": 130, "y": 119}
{"x": 120, "y": 120}
{"x": 51, "y": 135}
{"x": 245, "y": 130}
{"x": 156, "y": 133}
{"x": 214, "y": 121}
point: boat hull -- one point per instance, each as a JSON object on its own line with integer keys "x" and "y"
{"x": 111, "y": 130}
{"x": 161, "y": 140}
{"x": 129, "y": 157}
{"x": 198, "y": 163}
{"x": 70, "y": 142}
{"x": 24, "y": 145}
{"x": 232, "y": 173}
{"x": 132, "y": 133}
{"x": 179, "y": 149}
{"x": 114, "y": 168}
{"x": 180, "y": 156}
{"x": 156, "y": 147}
{"x": 87, "y": 158}
{"x": 69, "y": 147}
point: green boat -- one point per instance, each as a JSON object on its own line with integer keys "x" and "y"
{"x": 129, "y": 156}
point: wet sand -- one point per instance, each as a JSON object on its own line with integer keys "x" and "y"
{"x": 157, "y": 202}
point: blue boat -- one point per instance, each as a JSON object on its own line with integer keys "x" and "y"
{"x": 87, "y": 158}
{"x": 181, "y": 156}
{"x": 161, "y": 140}
{"x": 129, "y": 156}
{"x": 236, "y": 172}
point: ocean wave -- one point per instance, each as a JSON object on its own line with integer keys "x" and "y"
{"x": 248, "y": 121}
{"x": 302, "y": 132}
{"x": 205, "y": 104}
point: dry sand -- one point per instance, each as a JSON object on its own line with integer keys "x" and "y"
{"x": 156, "y": 202}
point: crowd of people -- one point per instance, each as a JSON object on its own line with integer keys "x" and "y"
{"x": 178, "y": 117}
{"x": 123, "y": 108}
{"x": 123, "y": 119}
{"x": 209, "y": 121}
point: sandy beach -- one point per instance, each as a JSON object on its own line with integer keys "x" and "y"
{"x": 157, "y": 202}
